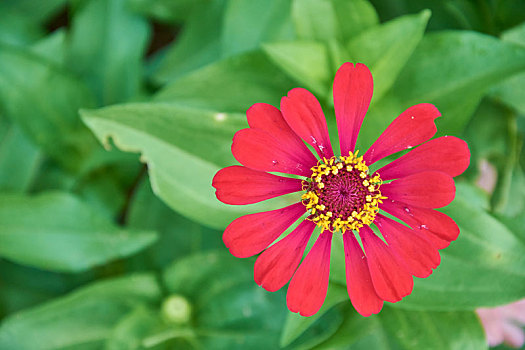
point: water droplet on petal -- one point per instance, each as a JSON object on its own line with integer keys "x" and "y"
{"x": 408, "y": 211}
{"x": 274, "y": 162}
{"x": 423, "y": 227}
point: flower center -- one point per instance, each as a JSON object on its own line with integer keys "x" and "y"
{"x": 341, "y": 195}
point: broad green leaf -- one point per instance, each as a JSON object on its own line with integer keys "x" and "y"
{"x": 353, "y": 17}
{"x": 511, "y": 90}
{"x": 106, "y": 46}
{"x": 84, "y": 318}
{"x": 19, "y": 161}
{"x": 230, "y": 85}
{"x": 484, "y": 267}
{"x": 515, "y": 35}
{"x": 432, "y": 330}
{"x": 43, "y": 100}
{"x": 56, "y": 231}
{"x": 323, "y": 324}
{"x": 248, "y": 23}
{"x": 178, "y": 236}
{"x": 131, "y": 329}
{"x": 230, "y": 310}
{"x": 409, "y": 330}
{"x": 107, "y": 189}
{"x": 183, "y": 148}
{"x": 314, "y": 20}
{"x": 194, "y": 275}
{"x": 327, "y": 20}
{"x": 497, "y": 123}
{"x": 386, "y": 48}
{"x": 197, "y": 45}
{"x": 305, "y": 61}
{"x": 37, "y": 11}
{"x": 512, "y": 201}
{"x": 452, "y": 68}
{"x": 172, "y": 11}
{"x": 357, "y": 332}
{"x": 16, "y": 29}
{"x": 23, "y": 287}
{"x": 52, "y": 47}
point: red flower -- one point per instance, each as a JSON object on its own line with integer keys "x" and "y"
{"x": 342, "y": 196}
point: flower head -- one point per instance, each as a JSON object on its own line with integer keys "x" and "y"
{"x": 342, "y": 195}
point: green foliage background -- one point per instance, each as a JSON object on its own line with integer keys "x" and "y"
{"x": 116, "y": 114}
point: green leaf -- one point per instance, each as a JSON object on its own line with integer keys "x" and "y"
{"x": 432, "y": 330}
{"x": 197, "y": 45}
{"x": 56, "y": 231}
{"x": 36, "y": 11}
{"x": 451, "y": 69}
{"x": 305, "y": 61}
{"x": 172, "y": 11}
{"x": 354, "y": 16}
{"x": 43, "y": 100}
{"x": 52, "y": 47}
{"x": 323, "y": 324}
{"x": 386, "y": 48}
{"x": 106, "y": 46}
{"x": 230, "y": 310}
{"x": 183, "y": 148}
{"x": 484, "y": 267}
{"x": 23, "y": 287}
{"x": 84, "y": 318}
{"x": 183, "y": 276}
{"x": 19, "y": 161}
{"x": 511, "y": 91}
{"x": 16, "y": 29}
{"x": 131, "y": 329}
{"x": 178, "y": 236}
{"x": 408, "y": 330}
{"x": 327, "y": 20}
{"x": 357, "y": 332}
{"x": 267, "y": 20}
{"x": 230, "y": 85}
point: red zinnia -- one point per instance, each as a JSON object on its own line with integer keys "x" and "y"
{"x": 341, "y": 195}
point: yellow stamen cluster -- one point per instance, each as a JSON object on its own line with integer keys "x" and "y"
{"x": 341, "y": 195}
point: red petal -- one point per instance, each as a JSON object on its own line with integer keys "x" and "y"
{"x": 268, "y": 118}
{"x": 250, "y": 234}
{"x": 358, "y": 280}
{"x": 418, "y": 254}
{"x": 391, "y": 281}
{"x": 241, "y": 185}
{"x": 427, "y": 189}
{"x": 436, "y": 226}
{"x": 303, "y": 113}
{"x": 447, "y": 154}
{"x": 308, "y": 287}
{"x": 276, "y": 265}
{"x": 413, "y": 127}
{"x": 259, "y": 150}
{"x": 353, "y": 88}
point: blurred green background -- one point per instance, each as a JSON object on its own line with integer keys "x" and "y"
{"x": 116, "y": 114}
